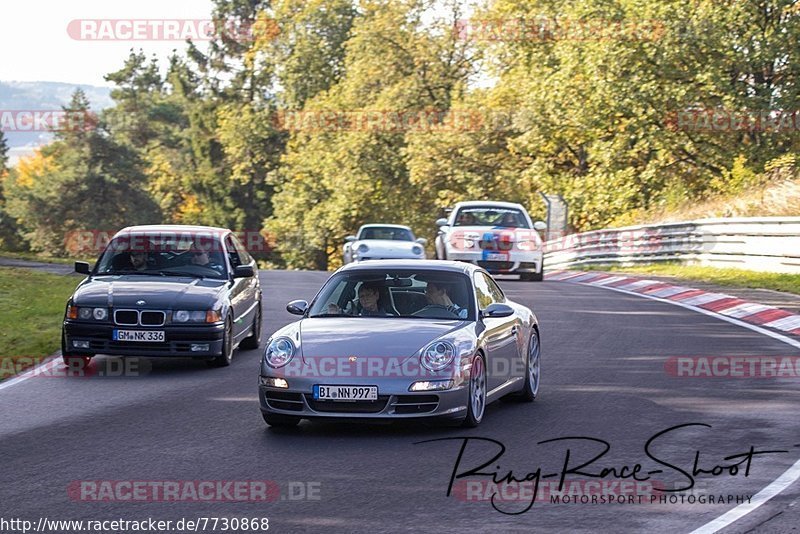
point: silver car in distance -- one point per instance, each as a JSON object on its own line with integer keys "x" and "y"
{"x": 383, "y": 242}
{"x": 401, "y": 339}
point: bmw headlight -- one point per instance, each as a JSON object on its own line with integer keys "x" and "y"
{"x": 417, "y": 250}
{"x": 362, "y": 248}
{"x": 438, "y": 355}
{"x": 279, "y": 352}
{"x": 98, "y": 314}
{"x": 189, "y": 316}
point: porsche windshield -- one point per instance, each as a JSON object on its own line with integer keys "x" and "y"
{"x": 489, "y": 216}
{"x": 386, "y": 232}
{"x": 425, "y": 294}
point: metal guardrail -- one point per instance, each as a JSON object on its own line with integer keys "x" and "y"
{"x": 761, "y": 244}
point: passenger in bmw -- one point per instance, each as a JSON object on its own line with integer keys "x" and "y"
{"x": 138, "y": 260}
{"x": 135, "y": 260}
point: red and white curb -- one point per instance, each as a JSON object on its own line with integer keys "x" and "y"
{"x": 705, "y": 301}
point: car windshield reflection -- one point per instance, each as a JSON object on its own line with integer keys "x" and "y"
{"x": 196, "y": 256}
{"x": 396, "y": 294}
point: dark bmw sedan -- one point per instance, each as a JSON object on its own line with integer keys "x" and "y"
{"x": 165, "y": 291}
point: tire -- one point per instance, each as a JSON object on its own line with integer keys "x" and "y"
{"x": 224, "y": 359}
{"x": 276, "y": 420}
{"x": 533, "y": 370}
{"x": 71, "y": 359}
{"x": 254, "y": 339}
{"x": 476, "y": 403}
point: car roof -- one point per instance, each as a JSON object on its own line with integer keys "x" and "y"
{"x": 380, "y": 225}
{"x": 172, "y": 228}
{"x": 421, "y": 265}
{"x": 488, "y": 203}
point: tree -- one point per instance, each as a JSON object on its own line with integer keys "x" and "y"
{"x": 9, "y": 232}
{"x": 84, "y": 180}
{"x": 336, "y": 176}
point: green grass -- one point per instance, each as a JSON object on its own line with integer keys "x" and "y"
{"x": 31, "y": 311}
{"x": 789, "y": 283}
{"x": 33, "y": 256}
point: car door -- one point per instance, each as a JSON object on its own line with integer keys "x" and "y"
{"x": 500, "y": 336}
{"x": 517, "y": 352}
{"x": 244, "y": 291}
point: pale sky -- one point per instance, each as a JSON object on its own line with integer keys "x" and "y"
{"x": 35, "y": 44}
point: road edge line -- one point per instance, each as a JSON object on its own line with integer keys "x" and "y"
{"x": 787, "y": 478}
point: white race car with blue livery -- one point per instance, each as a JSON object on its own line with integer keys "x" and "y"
{"x": 497, "y": 236}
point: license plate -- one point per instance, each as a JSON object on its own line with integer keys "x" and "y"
{"x": 139, "y": 335}
{"x": 495, "y": 256}
{"x": 345, "y": 393}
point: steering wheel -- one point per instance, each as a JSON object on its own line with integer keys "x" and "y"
{"x": 432, "y": 310}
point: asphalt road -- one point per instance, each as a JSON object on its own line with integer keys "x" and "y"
{"x": 604, "y": 377}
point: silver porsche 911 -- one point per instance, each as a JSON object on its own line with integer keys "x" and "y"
{"x": 400, "y": 339}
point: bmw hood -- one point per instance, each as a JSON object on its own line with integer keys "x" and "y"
{"x": 367, "y": 337}
{"x": 157, "y": 292}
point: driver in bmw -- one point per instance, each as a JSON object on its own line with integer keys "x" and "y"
{"x": 202, "y": 257}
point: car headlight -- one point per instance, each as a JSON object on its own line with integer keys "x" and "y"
{"x": 416, "y": 250}
{"x": 190, "y": 316}
{"x": 362, "y": 248}
{"x": 438, "y": 355}
{"x": 85, "y": 314}
{"x": 279, "y": 352}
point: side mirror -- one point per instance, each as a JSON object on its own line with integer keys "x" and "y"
{"x": 82, "y": 267}
{"x": 350, "y": 239}
{"x": 540, "y": 226}
{"x": 497, "y": 310}
{"x": 441, "y": 222}
{"x": 244, "y": 271}
{"x": 422, "y": 241}
{"x": 297, "y": 307}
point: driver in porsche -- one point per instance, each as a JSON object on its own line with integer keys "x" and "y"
{"x": 437, "y": 296}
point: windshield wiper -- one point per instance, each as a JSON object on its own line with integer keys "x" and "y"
{"x": 181, "y": 273}
{"x": 114, "y": 273}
